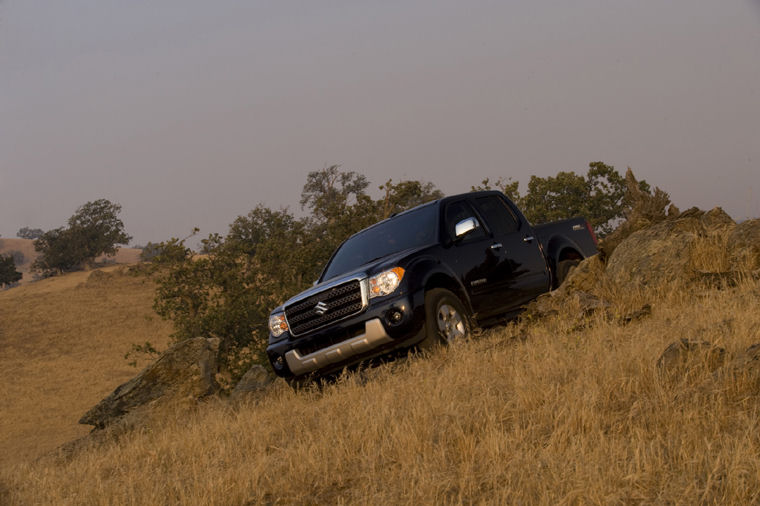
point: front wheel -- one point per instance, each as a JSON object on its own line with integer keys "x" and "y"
{"x": 446, "y": 319}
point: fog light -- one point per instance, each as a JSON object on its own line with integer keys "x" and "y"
{"x": 395, "y": 316}
{"x": 278, "y": 363}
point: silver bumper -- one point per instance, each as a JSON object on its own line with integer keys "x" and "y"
{"x": 374, "y": 336}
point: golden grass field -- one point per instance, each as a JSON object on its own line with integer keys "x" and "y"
{"x": 574, "y": 412}
{"x": 62, "y": 346}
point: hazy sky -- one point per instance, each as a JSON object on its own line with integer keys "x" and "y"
{"x": 190, "y": 113}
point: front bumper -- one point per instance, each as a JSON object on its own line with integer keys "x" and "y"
{"x": 374, "y": 336}
{"x": 363, "y": 336}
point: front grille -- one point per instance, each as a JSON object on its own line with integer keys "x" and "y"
{"x": 337, "y": 303}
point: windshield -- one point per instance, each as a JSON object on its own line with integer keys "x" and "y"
{"x": 413, "y": 229}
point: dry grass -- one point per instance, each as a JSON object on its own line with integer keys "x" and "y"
{"x": 576, "y": 413}
{"x": 62, "y": 346}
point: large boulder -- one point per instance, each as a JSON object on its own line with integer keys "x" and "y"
{"x": 663, "y": 253}
{"x": 186, "y": 370}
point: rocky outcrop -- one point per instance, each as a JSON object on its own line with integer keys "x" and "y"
{"x": 256, "y": 380}
{"x": 662, "y": 253}
{"x": 186, "y": 370}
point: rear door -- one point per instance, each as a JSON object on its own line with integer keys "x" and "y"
{"x": 520, "y": 273}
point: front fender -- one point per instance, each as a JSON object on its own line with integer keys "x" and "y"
{"x": 430, "y": 273}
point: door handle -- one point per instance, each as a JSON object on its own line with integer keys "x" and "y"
{"x": 496, "y": 245}
{"x": 528, "y": 239}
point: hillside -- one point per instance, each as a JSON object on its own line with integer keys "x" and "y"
{"x": 62, "y": 346}
{"x": 24, "y": 249}
{"x": 576, "y": 404}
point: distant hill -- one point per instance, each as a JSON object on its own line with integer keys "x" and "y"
{"x": 24, "y": 249}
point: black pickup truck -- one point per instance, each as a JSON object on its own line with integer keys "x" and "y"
{"x": 423, "y": 277}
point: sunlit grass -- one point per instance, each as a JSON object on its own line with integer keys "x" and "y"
{"x": 574, "y": 412}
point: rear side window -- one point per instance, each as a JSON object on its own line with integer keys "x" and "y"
{"x": 458, "y": 211}
{"x": 498, "y": 215}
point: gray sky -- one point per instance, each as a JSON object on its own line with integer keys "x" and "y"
{"x": 190, "y": 113}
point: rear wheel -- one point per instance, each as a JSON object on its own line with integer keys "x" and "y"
{"x": 564, "y": 268}
{"x": 446, "y": 319}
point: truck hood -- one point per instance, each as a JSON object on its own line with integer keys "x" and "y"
{"x": 369, "y": 269}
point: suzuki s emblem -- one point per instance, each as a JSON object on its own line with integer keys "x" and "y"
{"x": 321, "y": 308}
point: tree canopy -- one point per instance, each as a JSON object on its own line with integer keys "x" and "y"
{"x": 599, "y": 196}
{"x": 93, "y": 230}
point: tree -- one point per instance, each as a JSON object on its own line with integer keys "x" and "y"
{"x": 599, "y": 197}
{"x": 405, "y": 195}
{"x": 506, "y": 186}
{"x": 8, "y": 273}
{"x": 329, "y": 192}
{"x": 30, "y": 233}
{"x": 93, "y": 230}
{"x": 59, "y": 252}
{"x": 99, "y": 228}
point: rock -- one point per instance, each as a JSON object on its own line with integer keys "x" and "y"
{"x": 684, "y": 351}
{"x": 186, "y": 370}
{"x": 588, "y": 303}
{"x": 257, "y": 379}
{"x": 565, "y": 303}
{"x": 717, "y": 219}
{"x": 643, "y": 312}
{"x": 662, "y": 253}
{"x": 744, "y": 245}
{"x": 543, "y": 306}
{"x": 749, "y": 359}
{"x": 721, "y": 280}
{"x": 586, "y": 277}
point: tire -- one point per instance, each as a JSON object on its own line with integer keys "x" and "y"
{"x": 446, "y": 319}
{"x": 564, "y": 268}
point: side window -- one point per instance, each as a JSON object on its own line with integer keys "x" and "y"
{"x": 497, "y": 214}
{"x": 458, "y": 211}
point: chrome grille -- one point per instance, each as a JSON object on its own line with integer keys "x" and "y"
{"x": 325, "y": 307}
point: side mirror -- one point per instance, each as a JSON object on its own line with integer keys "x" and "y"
{"x": 465, "y": 226}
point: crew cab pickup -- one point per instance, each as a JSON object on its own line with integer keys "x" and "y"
{"x": 422, "y": 277}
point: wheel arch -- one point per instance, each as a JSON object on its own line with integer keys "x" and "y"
{"x": 440, "y": 279}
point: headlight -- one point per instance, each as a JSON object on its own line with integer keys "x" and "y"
{"x": 386, "y": 282}
{"x": 277, "y": 324}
